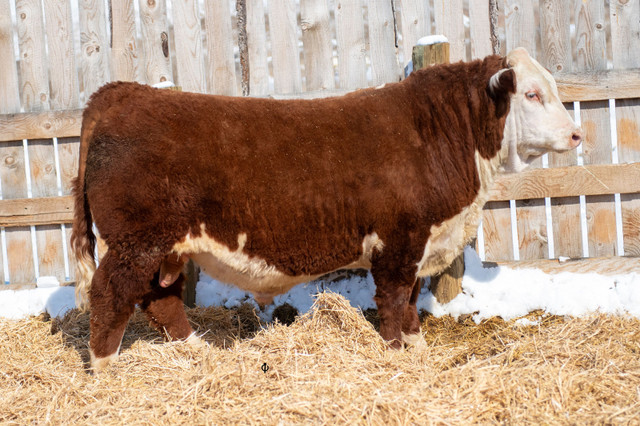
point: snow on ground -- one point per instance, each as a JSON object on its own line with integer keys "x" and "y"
{"x": 487, "y": 292}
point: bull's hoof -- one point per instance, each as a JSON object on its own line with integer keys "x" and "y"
{"x": 99, "y": 364}
{"x": 195, "y": 341}
{"x": 415, "y": 342}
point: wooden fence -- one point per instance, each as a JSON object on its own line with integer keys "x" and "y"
{"x": 54, "y": 54}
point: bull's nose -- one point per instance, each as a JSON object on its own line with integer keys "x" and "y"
{"x": 576, "y": 138}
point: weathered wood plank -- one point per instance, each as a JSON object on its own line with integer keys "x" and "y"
{"x": 257, "y": 46}
{"x": 34, "y": 80}
{"x": 351, "y": 44}
{"x": 36, "y": 211}
{"x": 449, "y": 22}
{"x": 415, "y": 23}
{"x": 40, "y": 125}
{"x": 555, "y": 19}
{"x": 155, "y": 42}
{"x": 284, "y": 46}
{"x": 63, "y": 74}
{"x": 600, "y": 265}
{"x": 94, "y": 46}
{"x": 189, "y": 55}
{"x": 221, "y": 76}
{"x": 520, "y": 27}
{"x": 9, "y": 95}
{"x": 596, "y": 179}
{"x": 384, "y": 63}
{"x": 124, "y": 52}
{"x": 496, "y": 226}
{"x": 480, "y": 29}
{"x": 316, "y": 39}
{"x": 598, "y": 85}
{"x": 625, "y": 39}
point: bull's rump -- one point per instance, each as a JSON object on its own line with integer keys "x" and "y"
{"x": 305, "y": 181}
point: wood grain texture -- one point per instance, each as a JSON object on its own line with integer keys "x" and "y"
{"x": 221, "y": 68}
{"x": 316, "y": 39}
{"x": 351, "y": 44}
{"x": 189, "y": 54}
{"x": 9, "y": 95}
{"x": 600, "y": 265}
{"x": 597, "y": 85}
{"x": 496, "y": 226}
{"x": 63, "y": 74}
{"x": 565, "y": 211}
{"x": 594, "y": 115}
{"x": 284, "y": 46}
{"x": 40, "y": 125}
{"x": 520, "y": 27}
{"x": 415, "y": 19}
{"x": 36, "y": 211}
{"x": 448, "y": 18}
{"x": 94, "y": 46}
{"x": 625, "y": 39}
{"x": 257, "y": 46}
{"x": 596, "y": 179}
{"x": 34, "y": 79}
{"x": 156, "y": 66}
{"x": 480, "y": 34}
{"x": 384, "y": 63}
{"x": 124, "y": 50}
{"x": 555, "y": 20}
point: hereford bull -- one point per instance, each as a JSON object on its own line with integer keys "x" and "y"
{"x": 266, "y": 194}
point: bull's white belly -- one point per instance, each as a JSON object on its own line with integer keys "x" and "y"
{"x": 253, "y": 273}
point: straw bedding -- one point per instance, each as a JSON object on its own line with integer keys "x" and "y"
{"x": 329, "y": 366}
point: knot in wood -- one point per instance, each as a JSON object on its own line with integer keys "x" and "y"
{"x": 9, "y": 160}
{"x": 151, "y": 3}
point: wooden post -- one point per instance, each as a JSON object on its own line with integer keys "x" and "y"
{"x": 192, "y": 272}
{"x": 448, "y": 284}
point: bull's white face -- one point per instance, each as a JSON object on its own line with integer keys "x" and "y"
{"x": 537, "y": 122}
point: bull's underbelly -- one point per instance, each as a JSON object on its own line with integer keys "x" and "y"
{"x": 253, "y": 273}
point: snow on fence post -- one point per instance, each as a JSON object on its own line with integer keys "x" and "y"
{"x": 430, "y": 51}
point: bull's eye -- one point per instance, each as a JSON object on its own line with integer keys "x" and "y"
{"x": 533, "y": 96}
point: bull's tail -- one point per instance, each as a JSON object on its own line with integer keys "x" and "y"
{"x": 83, "y": 240}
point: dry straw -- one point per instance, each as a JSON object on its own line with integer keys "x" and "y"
{"x": 330, "y": 366}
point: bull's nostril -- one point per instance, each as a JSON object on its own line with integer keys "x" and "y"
{"x": 576, "y": 137}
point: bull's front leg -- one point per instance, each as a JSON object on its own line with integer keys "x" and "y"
{"x": 397, "y": 291}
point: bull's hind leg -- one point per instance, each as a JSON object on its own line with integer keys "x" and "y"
{"x": 112, "y": 302}
{"x": 165, "y": 310}
{"x": 411, "y": 334}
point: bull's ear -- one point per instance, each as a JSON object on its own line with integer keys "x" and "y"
{"x": 501, "y": 85}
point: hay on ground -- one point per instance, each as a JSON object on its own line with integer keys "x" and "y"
{"x": 329, "y": 366}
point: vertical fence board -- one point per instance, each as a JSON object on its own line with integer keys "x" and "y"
{"x": 9, "y": 94}
{"x": 94, "y": 46}
{"x": 62, "y": 69}
{"x": 186, "y": 27}
{"x": 284, "y": 46}
{"x": 257, "y": 46}
{"x": 316, "y": 39}
{"x": 480, "y": 30}
{"x": 496, "y": 227}
{"x": 220, "y": 62}
{"x": 565, "y": 211}
{"x": 155, "y": 42}
{"x": 415, "y": 18}
{"x": 591, "y": 56}
{"x": 34, "y": 87}
{"x": 448, "y": 17}
{"x": 351, "y": 45}
{"x": 625, "y": 39}
{"x": 520, "y": 25}
{"x": 556, "y": 56}
{"x": 384, "y": 64}
{"x": 124, "y": 54}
